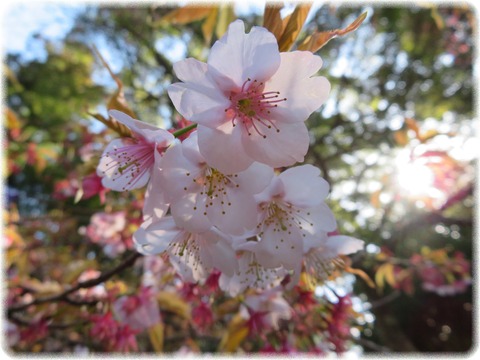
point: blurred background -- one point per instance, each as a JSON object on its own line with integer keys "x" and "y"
{"x": 396, "y": 141}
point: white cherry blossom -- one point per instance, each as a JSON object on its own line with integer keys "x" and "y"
{"x": 250, "y": 101}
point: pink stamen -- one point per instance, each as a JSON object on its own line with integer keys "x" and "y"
{"x": 251, "y": 105}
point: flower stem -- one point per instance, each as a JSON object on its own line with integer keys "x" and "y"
{"x": 184, "y": 130}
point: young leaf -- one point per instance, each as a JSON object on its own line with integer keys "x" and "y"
{"x": 155, "y": 333}
{"x": 209, "y": 25}
{"x": 272, "y": 20}
{"x": 237, "y": 331}
{"x": 187, "y": 14}
{"x": 294, "y": 26}
{"x": 317, "y": 40}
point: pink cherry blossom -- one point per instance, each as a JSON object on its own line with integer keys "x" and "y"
{"x": 127, "y": 163}
{"x": 250, "y": 101}
{"x": 193, "y": 255}
{"x": 320, "y": 261}
{"x": 139, "y": 311}
{"x": 293, "y": 211}
{"x": 265, "y": 309}
{"x": 250, "y": 274}
{"x": 201, "y": 196}
{"x": 92, "y": 185}
{"x": 106, "y": 229}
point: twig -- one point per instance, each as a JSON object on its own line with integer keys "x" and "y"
{"x": 385, "y": 300}
{"x": 81, "y": 285}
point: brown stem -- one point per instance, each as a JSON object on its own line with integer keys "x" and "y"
{"x": 81, "y": 285}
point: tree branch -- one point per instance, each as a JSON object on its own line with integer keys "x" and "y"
{"x": 81, "y": 285}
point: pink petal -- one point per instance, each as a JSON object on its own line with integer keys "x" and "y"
{"x": 157, "y": 237}
{"x": 190, "y": 213}
{"x": 198, "y": 98}
{"x": 278, "y": 149}
{"x": 322, "y": 218}
{"x": 236, "y": 215}
{"x": 255, "y": 178}
{"x": 294, "y": 80}
{"x": 155, "y": 206}
{"x": 149, "y": 132}
{"x": 222, "y": 148}
{"x": 120, "y": 172}
{"x": 344, "y": 245}
{"x": 277, "y": 247}
{"x": 239, "y": 56}
{"x": 303, "y": 186}
{"x": 217, "y": 252}
{"x": 177, "y": 174}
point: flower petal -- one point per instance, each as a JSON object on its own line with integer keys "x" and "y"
{"x": 190, "y": 213}
{"x": 240, "y": 56}
{"x": 156, "y": 237}
{"x": 222, "y": 148}
{"x": 303, "y": 186}
{"x": 344, "y": 245}
{"x": 198, "y": 99}
{"x": 155, "y": 206}
{"x": 233, "y": 213}
{"x": 177, "y": 174}
{"x": 147, "y": 131}
{"x": 277, "y": 247}
{"x": 294, "y": 80}
{"x": 255, "y": 178}
{"x": 283, "y": 148}
{"x": 125, "y": 165}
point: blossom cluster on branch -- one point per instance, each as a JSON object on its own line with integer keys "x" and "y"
{"x": 214, "y": 200}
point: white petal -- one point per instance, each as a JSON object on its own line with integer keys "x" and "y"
{"x": 198, "y": 98}
{"x": 240, "y": 56}
{"x": 236, "y": 215}
{"x": 155, "y": 206}
{"x": 303, "y": 186}
{"x": 220, "y": 252}
{"x": 156, "y": 237}
{"x": 190, "y": 213}
{"x": 255, "y": 178}
{"x": 322, "y": 218}
{"x": 119, "y": 174}
{"x": 190, "y": 149}
{"x": 177, "y": 174}
{"x": 294, "y": 80}
{"x": 149, "y": 132}
{"x": 278, "y": 149}
{"x": 222, "y": 148}
{"x": 344, "y": 245}
{"x": 277, "y": 247}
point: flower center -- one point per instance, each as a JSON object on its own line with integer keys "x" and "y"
{"x": 251, "y": 106}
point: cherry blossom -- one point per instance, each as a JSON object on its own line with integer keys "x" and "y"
{"x": 193, "y": 255}
{"x": 127, "y": 163}
{"x": 293, "y": 211}
{"x": 139, "y": 311}
{"x": 265, "y": 309}
{"x": 250, "y": 101}
{"x": 320, "y": 261}
{"x": 201, "y": 196}
{"x": 250, "y": 274}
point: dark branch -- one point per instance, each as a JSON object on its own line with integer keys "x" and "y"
{"x": 81, "y": 285}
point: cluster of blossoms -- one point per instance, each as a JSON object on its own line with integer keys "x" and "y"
{"x": 214, "y": 202}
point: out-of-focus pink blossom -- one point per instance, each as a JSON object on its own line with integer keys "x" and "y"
{"x": 13, "y": 334}
{"x": 92, "y": 185}
{"x": 338, "y": 328}
{"x": 106, "y": 229}
{"x": 264, "y": 310}
{"x": 139, "y": 311}
{"x": 113, "y": 335}
{"x": 35, "y": 331}
{"x": 202, "y": 316}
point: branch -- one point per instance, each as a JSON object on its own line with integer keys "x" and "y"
{"x": 81, "y": 285}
